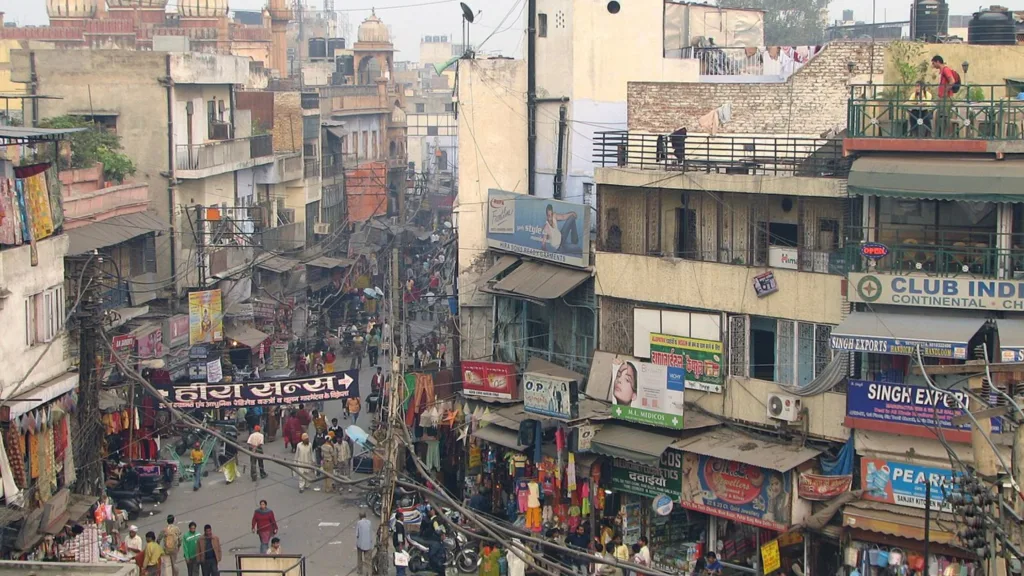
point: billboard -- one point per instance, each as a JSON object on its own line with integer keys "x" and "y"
{"x": 700, "y": 359}
{"x": 648, "y": 393}
{"x": 205, "y": 317}
{"x": 550, "y": 396}
{"x": 539, "y": 227}
{"x": 737, "y": 491}
{"x": 955, "y": 293}
{"x": 334, "y": 386}
{"x": 489, "y": 380}
{"x": 904, "y": 484}
{"x": 643, "y": 480}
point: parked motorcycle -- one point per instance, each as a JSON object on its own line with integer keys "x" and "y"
{"x": 467, "y": 555}
{"x": 402, "y": 499}
{"x": 127, "y": 502}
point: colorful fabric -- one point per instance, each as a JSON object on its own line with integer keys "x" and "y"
{"x": 9, "y": 225}
{"x": 33, "y": 453}
{"x": 16, "y": 456}
{"x": 37, "y": 200}
{"x": 56, "y": 198}
{"x": 19, "y": 194}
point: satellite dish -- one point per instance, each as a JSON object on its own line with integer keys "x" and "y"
{"x": 467, "y": 13}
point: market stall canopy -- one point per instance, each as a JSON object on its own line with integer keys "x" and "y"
{"x": 278, "y": 264}
{"x": 539, "y": 281}
{"x": 249, "y": 337}
{"x": 328, "y": 262}
{"x": 729, "y": 444}
{"x": 932, "y": 178}
{"x": 500, "y": 265}
{"x": 633, "y": 444}
{"x": 111, "y": 232}
{"x": 496, "y": 434}
{"x": 24, "y": 401}
{"x": 901, "y": 521}
{"x": 882, "y": 332}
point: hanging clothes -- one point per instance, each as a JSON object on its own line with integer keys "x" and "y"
{"x": 16, "y": 455}
{"x": 433, "y": 455}
{"x": 7, "y": 477}
{"x": 33, "y": 455}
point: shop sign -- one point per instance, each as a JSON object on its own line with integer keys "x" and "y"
{"x": 899, "y": 346}
{"x": 662, "y": 505}
{"x": 149, "y": 343}
{"x": 701, "y": 360}
{"x": 1011, "y": 353}
{"x": 176, "y": 331}
{"x": 264, "y": 310}
{"x": 819, "y": 487}
{"x": 205, "y": 317}
{"x": 737, "y": 491}
{"x": 489, "y": 380}
{"x": 196, "y": 371}
{"x": 648, "y": 393}
{"x": 242, "y": 311}
{"x": 783, "y": 257}
{"x": 335, "y": 386}
{"x": 214, "y": 371}
{"x": 956, "y": 293}
{"x": 124, "y": 346}
{"x": 765, "y": 284}
{"x": 199, "y": 352}
{"x": 539, "y": 227}
{"x": 874, "y": 250}
{"x": 475, "y": 459}
{"x": 905, "y": 484}
{"x": 771, "y": 557}
{"x": 643, "y": 480}
{"x": 907, "y": 409}
{"x": 550, "y": 396}
{"x": 585, "y": 437}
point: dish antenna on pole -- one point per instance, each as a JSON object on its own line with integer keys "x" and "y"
{"x": 467, "y": 19}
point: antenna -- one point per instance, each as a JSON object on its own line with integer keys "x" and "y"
{"x": 467, "y": 19}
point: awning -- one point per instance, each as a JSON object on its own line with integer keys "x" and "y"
{"x": 30, "y": 398}
{"x": 278, "y": 264}
{"x": 938, "y": 334}
{"x": 328, "y": 262}
{"x": 541, "y": 366}
{"x": 633, "y": 444}
{"x": 729, "y": 444}
{"x": 111, "y": 232}
{"x": 1011, "y": 340}
{"x": 938, "y": 178}
{"x": 538, "y": 281}
{"x": 336, "y": 131}
{"x": 500, "y": 436}
{"x": 249, "y": 337}
{"x": 900, "y": 521}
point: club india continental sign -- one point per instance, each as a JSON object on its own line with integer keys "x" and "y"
{"x": 958, "y": 293}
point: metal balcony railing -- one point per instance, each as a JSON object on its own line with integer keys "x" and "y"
{"x": 262, "y": 145}
{"x": 312, "y": 168}
{"x": 780, "y": 156}
{"x": 942, "y": 252}
{"x": 989, "y": 112}
{"x": 332, "y": 165}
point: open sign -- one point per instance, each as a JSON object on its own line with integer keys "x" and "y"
{"x": 874, "y": 250}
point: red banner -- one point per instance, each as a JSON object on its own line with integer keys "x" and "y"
{"x": 818, "y": 487}
{"x": 489, "y": 380}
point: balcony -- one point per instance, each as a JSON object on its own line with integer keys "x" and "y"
{"x": 310, "y": 100}
{"x": 750, "y": 155}
{"x": 212, "y": 158}
{"x": 283, "y": 169}
{"x": 725, "y": 64}
{"x": 977, "y": 119}
{"x": 332, "y": 166}
{"x": 312, "y": 168}
{"x": 942, "y": 252}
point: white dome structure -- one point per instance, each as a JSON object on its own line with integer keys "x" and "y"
{"x": 71, "y": 8}
{"x": 202, "y": 8}
{"x": 373, "y": 30}
{"x": 136, "y": 3}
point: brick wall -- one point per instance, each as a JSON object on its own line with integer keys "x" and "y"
{"x": 287, "y": 129}
{"x": 811, "y": 101}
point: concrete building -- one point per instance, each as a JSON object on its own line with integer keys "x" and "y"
{"x": 177, "y": 118}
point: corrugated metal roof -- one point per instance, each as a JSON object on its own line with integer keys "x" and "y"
{"x": 328, "y": 262}
{"x": 250, "y": 337}
{"x": 111, "y": 232}
{"x": 729, "y": 444}
{"x": 633, "y": 444}
{"x": 540, "y": 281}
{"x": 278, "y": 264}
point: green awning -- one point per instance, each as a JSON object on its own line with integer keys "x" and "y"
{"x": 934, "y": 178}
{"x": 634, "y": 444}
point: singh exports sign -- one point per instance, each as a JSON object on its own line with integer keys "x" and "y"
{"x": 958, "y": 293}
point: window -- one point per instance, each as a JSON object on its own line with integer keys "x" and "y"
{"x": 783, "y": 351}
{"x": 421, "y": 108}
{"x": 44, "y": 315}
{"x": 431, "y": 130}
{"x": 142, "y": 257}
{"x": 449, "y": 107}
{"x": 686, "y": 233}
{"x": 542, "y": 25}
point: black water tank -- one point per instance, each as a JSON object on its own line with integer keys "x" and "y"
{"x": 335, "y": 44}
{"x": 317, "y": 48}
{"x": 930, "y": 19}
{"x": 992, "y": 26}
{"x": 346, "y": 65}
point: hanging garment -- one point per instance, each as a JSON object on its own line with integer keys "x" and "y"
{"x": 523, "y": 495}
{"x": 11, "y": 491}
{"x": 433, "y": 455}
{"x": 16, "y": 456}
{"x": 538, "y": 438}
{"x": 527, "y": 428}
{"x": 585, "y": 499}
{"x": 33, "y": 455}
{"x": 709, "y": 122}
{"x": 570, "y": 472}
{"x": 516, "y": 565}
{"x": 8, "y": 221}
{"x": 70, "y": 474}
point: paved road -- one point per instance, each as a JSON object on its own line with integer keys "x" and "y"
{"x": 318, "y": 525}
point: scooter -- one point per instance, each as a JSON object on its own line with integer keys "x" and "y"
{"x": 131, "y": 505}
{"x": 467, "y": 557}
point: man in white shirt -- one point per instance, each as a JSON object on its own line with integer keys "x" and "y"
{"x": 133, "y": 543}
{"x": 255, "y": 443}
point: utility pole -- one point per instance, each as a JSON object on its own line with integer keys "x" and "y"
{"x": 200, "y": 246}
{"x": 88, "y": 435}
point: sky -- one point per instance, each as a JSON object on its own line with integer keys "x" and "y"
{"x": 411, "y": 19}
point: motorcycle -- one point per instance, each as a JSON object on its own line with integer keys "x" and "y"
{"x": 130, "y": 505}
{"x": 402, "y": 499}
{"x": 467, "y": 557}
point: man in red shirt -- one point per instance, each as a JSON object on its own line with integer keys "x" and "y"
{"x": 949, "y": 82}
{"x": 947, "y": 77}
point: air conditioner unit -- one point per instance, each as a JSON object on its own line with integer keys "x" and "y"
{"x": 322, "y": 228}
{"x": 783, "y": 407}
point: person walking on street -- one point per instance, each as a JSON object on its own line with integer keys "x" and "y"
{"x": 264, "y": 525}
{"x": 334, "y": 427}
{"x": 377, "y": 382}
{"x": 208, "y": 551}
{"x": 329, "y": 453}
{"x": 170, "y": 539}
{"x": 304, "y": 455}
{"x": 255, "y": 443}
{"x": 151, "y": 556}
{"x": 275, "y": 547}
{"x": 188, "y": 547}
{"x": 373, "y": 346}
{"x": 354, "y": 406}
{"x": 197, "y": 467}
{"x": 364, "y": 543}
{"x": 344, "y": 456}
{"x": 304, "y": 418}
